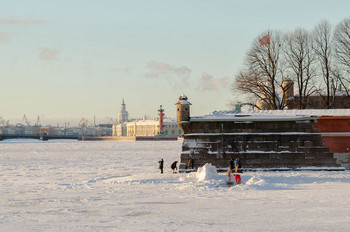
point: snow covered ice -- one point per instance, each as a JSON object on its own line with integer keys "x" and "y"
{"x": 117, "y": 186}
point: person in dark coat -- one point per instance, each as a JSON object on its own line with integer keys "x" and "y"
{"x": 232, "y": 165}
{"x": 191, "y": 163}
{"x": 174, "y": 166}
{"x": 161, "y": 164}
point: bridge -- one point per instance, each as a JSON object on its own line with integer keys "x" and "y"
{"x": 39, "y": 137}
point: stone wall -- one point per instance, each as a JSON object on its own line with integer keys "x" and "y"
{"x": 258, "y": 144}
{"x": 343, "y": 159}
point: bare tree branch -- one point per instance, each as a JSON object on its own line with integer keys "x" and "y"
{"x": 261, "y": 76}
{"x": 341, "y": 42}
{"x": 323, "y": 51}
{"x": 301, "y": 61}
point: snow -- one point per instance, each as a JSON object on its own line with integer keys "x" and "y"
{"x": 271, "y": 114}
{"x": 184, "y": 102}
{"x": 207, "y": 172}
{"x": 117, "y": 186}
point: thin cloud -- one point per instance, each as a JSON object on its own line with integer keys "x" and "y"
{"x": 126, "y": 70}
{"x": 16, "y": 21}
{"x": 48, "y": 54}
{"x": 4, "y": 37}
{"x": 13, "y": 20}
{"x": 209, "y": 83}
{"x": 158, "y": 70}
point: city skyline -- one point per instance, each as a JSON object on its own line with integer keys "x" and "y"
{"x": 64, "y": 60}
{"x": 69, "y": 121}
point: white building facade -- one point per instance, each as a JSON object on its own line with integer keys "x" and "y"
{"x": 147, "y": 128}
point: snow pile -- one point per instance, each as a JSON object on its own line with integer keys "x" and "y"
{"x": 207, "y": 172}
{"x": 255, "y": 180}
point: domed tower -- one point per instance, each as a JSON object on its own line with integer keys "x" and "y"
{"x": 123, "y": 114}
{"x": 183, "y": 112}
{"x": 288, "y": 91}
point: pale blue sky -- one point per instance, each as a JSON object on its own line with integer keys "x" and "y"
{"x": 80, "y": 58}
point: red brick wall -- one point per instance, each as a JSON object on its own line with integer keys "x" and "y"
{"x": 333, "y": 124}
{"x": 336, "y": 144}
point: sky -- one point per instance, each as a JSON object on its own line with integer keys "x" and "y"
{"x": 64, "y": 60}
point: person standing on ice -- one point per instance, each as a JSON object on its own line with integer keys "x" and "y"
{"x": 237, "y": 178}
{"x": 228, "y": 174}
{"x": 191, "y": 163}
{"x": 174, "y": 166}
{"x": 232, "y": 165}
{"x": 161, "y": 164}
{"x": 237, "y": 164}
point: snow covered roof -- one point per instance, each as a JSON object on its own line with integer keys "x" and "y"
{"x": 144, "y": 122}
{"x": 224, "y": 115}
{"x": 183, "y": 100}
{"x": 169, "y": 121}
{"x": 151, "y": 122}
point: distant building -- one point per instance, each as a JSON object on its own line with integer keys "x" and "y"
{"x": 20, "y": 130}
{"x": 316, "y": 101}
{"x": 170, "y": 128}
{"x": 143, "y": 128}
{"x": 120, "y": 130}
{"x": 123, "y": 114}
{"x": 31, "y": 130}
{"x": 147, "y": 128}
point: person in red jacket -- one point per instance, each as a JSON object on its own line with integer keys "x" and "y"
{"x": 237, "y": 178}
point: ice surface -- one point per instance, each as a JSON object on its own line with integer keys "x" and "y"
{"x": 117, "y": 186}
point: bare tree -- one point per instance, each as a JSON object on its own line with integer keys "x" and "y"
{"x": 341, "y": 40}
{"x": 261, "y": 76}
{"x": 342, "y": 79}
{"x": 317, "y": 61}
{"x": 300, "y": 59}
{"x": 323, "y": 51}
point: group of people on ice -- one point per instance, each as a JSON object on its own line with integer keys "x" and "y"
{"x": 234, "y": 166}
{"x": 173, "y": 166}
{"x": 234, "y": 169}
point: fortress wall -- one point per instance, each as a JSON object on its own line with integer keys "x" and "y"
{"x": 336, "y": 136}
{"x": 258, "y": 144}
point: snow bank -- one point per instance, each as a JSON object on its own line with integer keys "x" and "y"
{"x": 255, "y": 180}
{"x": 207, "y": 172}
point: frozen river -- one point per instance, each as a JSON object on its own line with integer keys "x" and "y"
{"x": 116, "y": 186}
